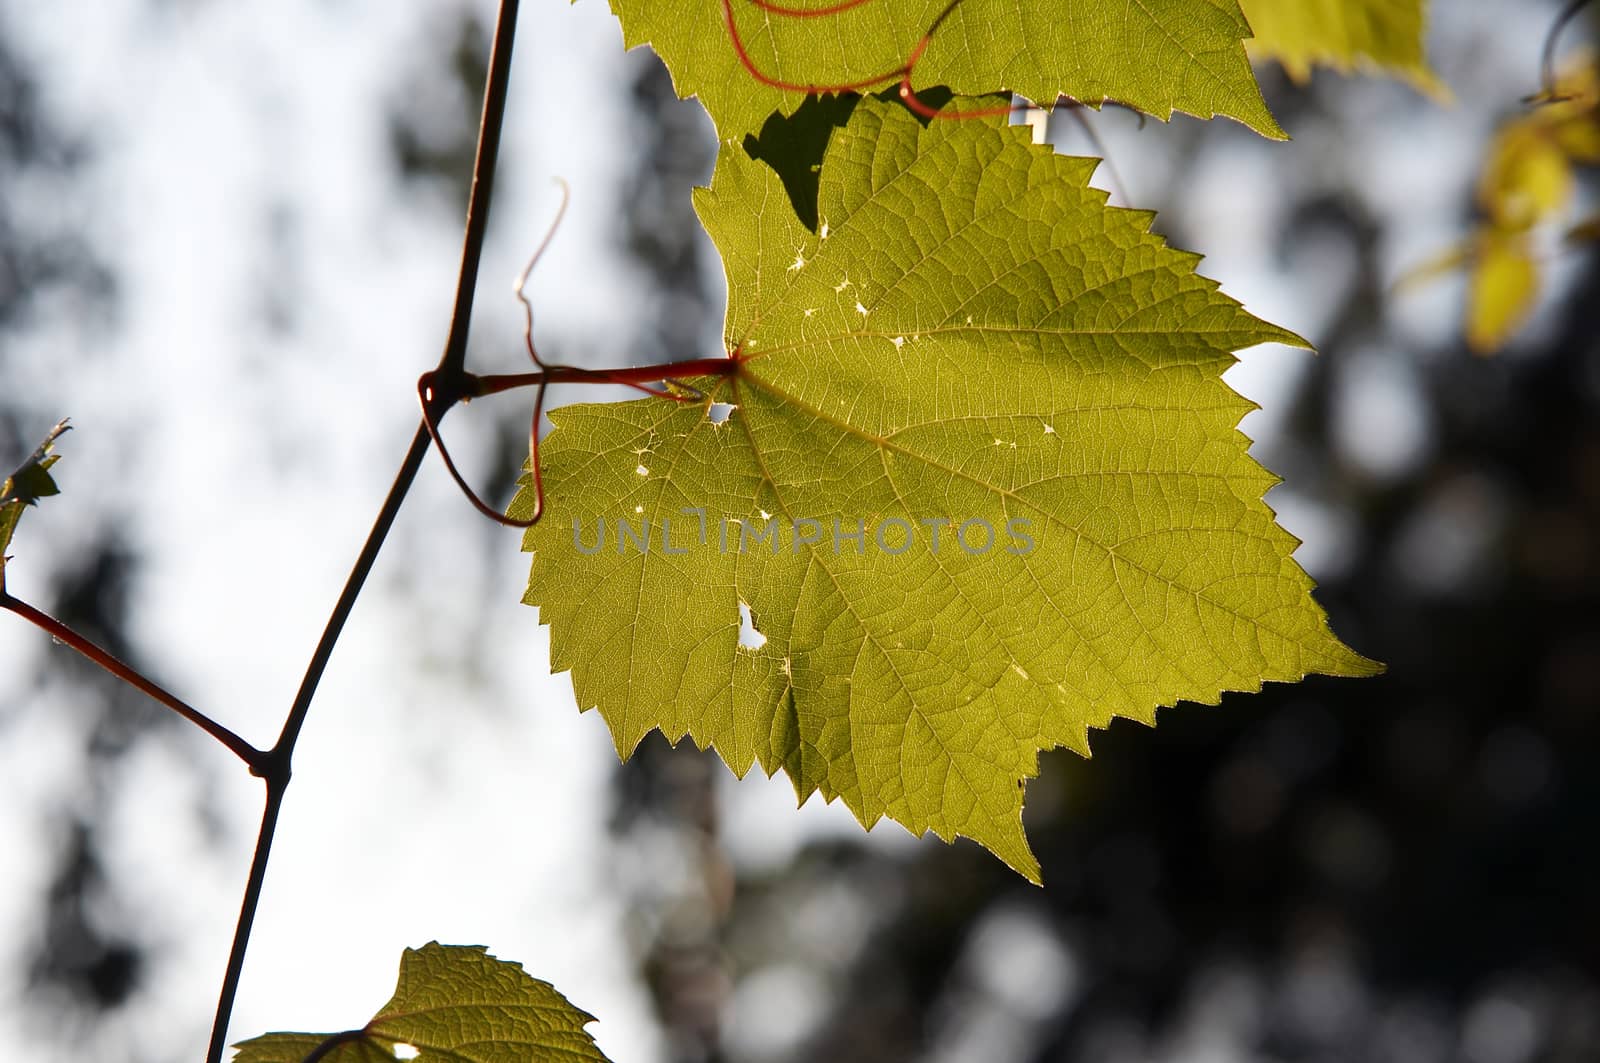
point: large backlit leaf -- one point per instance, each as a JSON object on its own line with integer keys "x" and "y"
{"x": 1157, "y": 55}
{"x": 453, "y": 1003}
{"x": 970, "y": 336}
{"x": 1344, "y": 34}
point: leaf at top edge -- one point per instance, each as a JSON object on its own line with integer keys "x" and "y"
{"x": 30, "y": 482}
{"x": 971, "y": 335}
{"x": 1158, "y": 56}
{"x": 455, "y": 1003}
{"x": 1388, "y": 35}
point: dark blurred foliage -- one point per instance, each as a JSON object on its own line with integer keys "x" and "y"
{"x": 433, "y": 122}
{"x": 87, "y": 957}
{"x": 665, "y": 812}
{"x": 37, "y": 260}
{"x": 672, "y": 152}
{"x": 1401, "y": 869}
{"x": 88, "y": 953}
{"x": 82, "y": 957}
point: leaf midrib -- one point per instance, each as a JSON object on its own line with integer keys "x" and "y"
{"x": 866, "y": 631}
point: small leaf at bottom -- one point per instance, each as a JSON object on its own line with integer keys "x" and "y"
{"x": 455, "y": 1003}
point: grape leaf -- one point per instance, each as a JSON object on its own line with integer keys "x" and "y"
{"x": 24, "y": 487}
{"x": 1158, "y": 56}
{"x": 1344, "y": 34}
{"x": 456, "y": 1003}
{"x": 971, "y": 335}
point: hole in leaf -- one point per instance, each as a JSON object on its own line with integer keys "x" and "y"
{"x": 749, "y": 637}
{"x": 718, "y": 412}
{"x": 404, "y": 1051}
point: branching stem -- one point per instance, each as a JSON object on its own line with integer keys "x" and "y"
{"x": 134, "y": 678}
{"x": 276, "y": 767}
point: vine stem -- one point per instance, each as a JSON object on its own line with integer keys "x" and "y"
{"x": 495, "y": 383}
{"x": 1547, "y": 57}
{"x": 275, "y": 766}
{"x": 134, "y": 678}
{"x": 903, "y": 72}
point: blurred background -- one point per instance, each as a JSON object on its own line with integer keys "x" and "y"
{"x": 228, "y": 242}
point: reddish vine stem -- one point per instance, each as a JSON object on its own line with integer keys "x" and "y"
{"x": 437, "y": 400}
{"x": 495, "y": 383}
{"x": 903, "y": 72}
{"x": 276, "y": 766}
{"x": 440, "y": 390}
{"x": 133, "y": 677}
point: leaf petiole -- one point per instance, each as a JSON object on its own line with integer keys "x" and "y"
{"x": 638, "y": 376}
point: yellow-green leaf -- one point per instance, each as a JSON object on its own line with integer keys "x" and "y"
{"x": 453, "y": 1003}
{"x": 1159, "y": 56}
{"x": 1527, "y": 177}
{"x": 1528, "y": 181}
{"x": 979, "y": 426}
{"x": 1504, "y": 285}
{"x": 1387, "y": 35}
